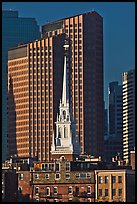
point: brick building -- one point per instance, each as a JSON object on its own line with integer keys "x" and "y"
{"x": 63, "y": 181}
{"x": 115, "y": 185}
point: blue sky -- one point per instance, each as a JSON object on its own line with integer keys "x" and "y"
{"x": 119, "y": 29}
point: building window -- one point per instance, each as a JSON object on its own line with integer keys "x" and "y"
{"x": 70, "y": 200}
{"x": 36, "y": 176}
{"x": 47, "y": 191}
{"x": 56, "y": 200}
{"x": 57, "y": 176}
{"x": 120, "y": 191}
{"x": 77, "y": 176}
{"x": 47, "y": 176}
{"x": 55, "y": 190}
{"x": 20, "y": 189}
{"x": 57, "y": 167}
{"x": 106, "y": 192}
{"x": 88, "y": 175}
{"x": 20, "y": 176}
{"x": 67, "y": 166}
{"x": 100, "y": 192}
{"x": 106, "y": 179}
{"x": 89, "y": 189}
{"x": 70, "y": 189}
{"x": 113, "y": 192}
{"x": 119, "y": 179}
{"x": 113, "y": 179}
{"x": 89, "y": 200}
{"x": 67, "y": 176}
{"x": 100, "y": 179}
{"x": 36, "y": 190}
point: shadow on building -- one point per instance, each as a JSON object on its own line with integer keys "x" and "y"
{"x": 11, "y": 126}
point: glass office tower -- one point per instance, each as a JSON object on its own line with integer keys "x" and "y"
{"x": 15, "y": 30}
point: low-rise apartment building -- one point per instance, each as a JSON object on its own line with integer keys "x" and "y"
{"x": 115, "y": 185}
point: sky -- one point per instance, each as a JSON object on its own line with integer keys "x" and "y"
{"x": 119, "y": 29}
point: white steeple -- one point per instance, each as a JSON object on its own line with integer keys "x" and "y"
{"x": 65, "y": 94}
{"x": 64, "y": 141}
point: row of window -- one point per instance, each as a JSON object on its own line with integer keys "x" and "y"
{"x": 100, "y": 192}
{"x": 106, "y": 179}
{"x": 18, "y": 62}
{"x": 55, "y": 190}
{"x": 58, "y": 176}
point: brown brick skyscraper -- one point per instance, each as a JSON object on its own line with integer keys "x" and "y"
{"x": 43, "y": 74}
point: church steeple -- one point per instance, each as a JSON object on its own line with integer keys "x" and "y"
{"x": 64, "y": 140}
{"x": 65, "y": 94}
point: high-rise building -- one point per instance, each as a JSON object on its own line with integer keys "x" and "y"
{"x": 85, "y": 32}
{"x": 36, "y": 70}
{"x": 128, "y": 113}
{"x": 113, "y": 144}
{"x": 35, "y": 73}
{"x": 115, "y": 109}
{"x": 15, "y": 30}
{"x": 105, "y": 123}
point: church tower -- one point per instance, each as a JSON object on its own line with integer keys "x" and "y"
{"x": 64, "y": 142}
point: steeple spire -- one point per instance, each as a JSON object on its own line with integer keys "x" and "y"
{"x": 65, "y": 94}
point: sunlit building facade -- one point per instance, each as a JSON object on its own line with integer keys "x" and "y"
{"x": 85, "y": 32}
{"x": 36, "y": 70}
{"x": 15, "y": 30}
{"x": 128, "y": 113}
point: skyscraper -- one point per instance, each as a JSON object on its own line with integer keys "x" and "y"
{"x": 128, "y": 113}
{"x": 15, "y": 30}
{"x": 85, "y": 32}
{"x": 113, "y": 144}
{"x": 115, "y": 109}
{"x": 41, "y": 64}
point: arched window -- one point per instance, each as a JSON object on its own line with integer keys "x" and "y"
{"x": 64, "y": 114}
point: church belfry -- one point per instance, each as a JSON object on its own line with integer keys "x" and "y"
{"x": 64, "y": 141}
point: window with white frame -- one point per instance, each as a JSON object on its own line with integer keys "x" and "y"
{"x": 89, "y": 200}
{"x": 47, "y": 191}
{"x": 88, "y": 175}
{"x": 70, "y": 200}
{"x": 57, "y": 176}
{"x": 68, "y": 166}
{"x": 36, "y": 176}
{"x": 20, "y": 176}
{"x": 36, "y": 190}
{"x": 55, "y": 190}
{"x": 70, "y": 189}
{"x": 88, "y": 189}
{"x": 106, "y": 179}
{"x": 56, "y": 200}
{"x": 100, "y": 179}
{"x": 46, "y": 176}
{"x": 20, "y": 189}
{"x": 67, "y": 176}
